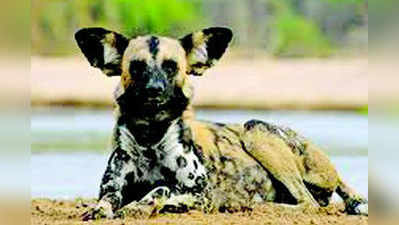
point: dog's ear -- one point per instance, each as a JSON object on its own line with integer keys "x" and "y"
{"x": 102, "y": 48}
{"x": 204, "y": 48}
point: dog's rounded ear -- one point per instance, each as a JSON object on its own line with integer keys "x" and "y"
{"x": 204, "y": 48}
{"x": 102, "y": 48}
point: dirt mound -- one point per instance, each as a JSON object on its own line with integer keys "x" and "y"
{"x": 45, "y": 211}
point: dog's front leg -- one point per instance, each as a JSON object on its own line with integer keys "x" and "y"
{"x": 161, "y": 200}
{"x": 180, "y": 203}
{"x": 151, "y": 203}
{"x": 120, "y": 168}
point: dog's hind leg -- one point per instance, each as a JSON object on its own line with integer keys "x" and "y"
{"x": 354, "y": 202}
{"x": 277, "y": 158}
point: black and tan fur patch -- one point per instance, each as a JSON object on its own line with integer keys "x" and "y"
{"x": 103, "y": 48}
{"x": 204, "y": 48}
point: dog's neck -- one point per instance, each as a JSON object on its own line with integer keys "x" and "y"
{"x": 170, "y": 138}
{"x": 149, "y": 126}
{"x": 146, "y": 132}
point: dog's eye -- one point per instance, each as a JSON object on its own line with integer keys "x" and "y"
{"x": 169, "y": 66}
{"x": 137, "y": 67}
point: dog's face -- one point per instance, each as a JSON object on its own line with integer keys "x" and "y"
{"x": 152, "y": 68}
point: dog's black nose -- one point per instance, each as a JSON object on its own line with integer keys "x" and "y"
{"x": 155, "y": 87}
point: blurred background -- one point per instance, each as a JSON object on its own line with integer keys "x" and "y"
{"x": 286, "y": 54}
{"x": 301, "y": 28}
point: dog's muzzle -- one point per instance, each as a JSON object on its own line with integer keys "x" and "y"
{"x": 155, "y": 87}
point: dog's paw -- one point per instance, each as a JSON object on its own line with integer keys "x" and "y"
{"x": 362, "y": 209}
{"x": 101, "y": 211}
{"x": 94, "y": 214}
{"x": 159, "y": 194}
{"x": 357, "y": 207}
{"x": 134, "y": 210}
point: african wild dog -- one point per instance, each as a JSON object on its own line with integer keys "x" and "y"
{"x": 167, "y": 160}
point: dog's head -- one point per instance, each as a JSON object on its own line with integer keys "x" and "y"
{"x": 153, "y": 69}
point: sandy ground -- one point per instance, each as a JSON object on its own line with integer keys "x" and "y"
{"x": 262, "y": 83}
{"x": 44, "y": 211}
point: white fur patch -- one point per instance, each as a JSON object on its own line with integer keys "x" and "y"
{"x": 363, "y": 209}
{"x": 174, "y": 149}
{"x": 107, "y": 208}
{"x": 127, "y": 140}
{"x": 111, "y": 55}
{"x": 152, "y": 195}
{"x": 171, "y": 148}
{"x": 185, "y": 199}
{"x": 200, "y": 54}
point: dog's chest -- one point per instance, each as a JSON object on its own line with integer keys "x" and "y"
{"x": 169, "y": 162}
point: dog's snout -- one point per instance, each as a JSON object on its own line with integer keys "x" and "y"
{"x": 155, "y": 87}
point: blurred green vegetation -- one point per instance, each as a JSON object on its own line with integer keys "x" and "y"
{"x": 364, "y": 110}
{"x": 55, "y": 21}
{"x": 278, "y": 27}
{"x": 155, "y": 16}
{"x": 295, "y": 35}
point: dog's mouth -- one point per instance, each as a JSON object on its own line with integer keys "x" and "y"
{"x": 136, "y": 98}
{"x": 154, "y": 101}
